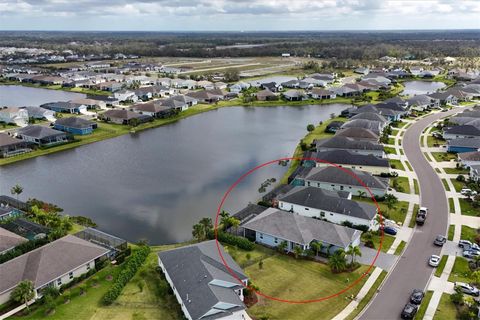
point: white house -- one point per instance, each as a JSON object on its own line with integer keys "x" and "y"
{"x": 125, "y": 95}
{"x": 14, "y": 115}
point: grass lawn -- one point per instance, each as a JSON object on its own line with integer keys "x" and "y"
{"x": 468, "y": 233}
{"x": 386, "y": 244}
{"x": 398, "y": 213}
{"x": 287, "y": 278}
{"x": 423, "y": 307}
{"x": 445, "y": 185}
{"x": 438, "y": 170}
{"x": 441, "y": 266}
{"x": 451, "y": 232}
{"x": 434, "y": 142}
{"x": 395, "y": 131}
{"x": 409, "y": 165}
{"x": 443, "y": 156}
{"x": 467, "y": 209}
{"x": 412, "y": 223}
{"x": 460, "y": 272}
{"x": 402, "y": 184}
{"x": 396, "y": 164}
{"x": 451, "y": 205}
{"x": 389, "y": 150}
{"x": 368, "y": 296}
{"x": 416, "y": 187}
{"x": 428, "y": 157}
{"x": 446, "y": 309}
{"x": 400, "y": 248}
{"x": 458, "y": 185}
{"x": 391, "y": 141}
{"x": 456, "y": 170}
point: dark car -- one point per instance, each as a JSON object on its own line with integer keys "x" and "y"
{"x": 417, "y": 296}
{"x": 409, "y": 311}
{"x": 390, "y": 230}
{"x": 440, "y": 240}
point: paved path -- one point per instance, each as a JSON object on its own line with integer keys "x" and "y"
{"x": 412, "y": 270}
{"x": 384, "y": 261}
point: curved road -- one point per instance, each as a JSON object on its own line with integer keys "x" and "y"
{"x": 412, "y": 270}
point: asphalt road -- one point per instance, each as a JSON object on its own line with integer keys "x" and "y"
{"x": 412, "y": 270}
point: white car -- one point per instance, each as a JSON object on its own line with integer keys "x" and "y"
{"x": 471, "y": 254}
{"x": 434, "y": 261}
{"x": 423, "y": 211}
{"x": 467, "y": 289}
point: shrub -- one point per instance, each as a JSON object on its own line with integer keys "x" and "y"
{"x": 310, "y": 127}
{"x": 461, "y": 178}
{"x": 239, "y": 242}
{"x": 129, "y": 270}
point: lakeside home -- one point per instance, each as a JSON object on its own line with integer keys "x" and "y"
{"x": 42, "y": 136}
{"x": 10, "y": 147}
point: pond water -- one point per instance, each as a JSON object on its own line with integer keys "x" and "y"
{"x": 20, "y": 96}
{"x": 413, "y": 88}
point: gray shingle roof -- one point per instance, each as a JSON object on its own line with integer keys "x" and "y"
{"x": 39, "y": 132}
{"x": 347, "y": 143}
{"x": 300, "y": 229}
{"x": 357, "y": 133}
{"x": 465, "y": 142}
{"x": 9, "y": 240}
{"x": 75, "y": 122}
{"x": 463, "y": 129}
{"x": 346, "y": 157}
{"x": 191, "y": 270}
{"x": 49, "y": 262}
{"x": 370, "y": 116}
{"x": 6, "y": 140}
{"x": 469, "y": 156}
{"x": 329, "y": 201}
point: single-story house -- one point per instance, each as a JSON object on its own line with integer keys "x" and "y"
{"x": 154, "y": 109}
{"x": 91, "y": 103}
{"x": 362, "y": 70}
{"x": 75, "y": 125}
{"x": 328, "y": 205}
{"x": 110, "y": 86}
{"x": 468, "y": 159}
{"x": 348, "y": 90}
{"x": 294, "y": 95}
{"x": 40, "y": 113}
{"x": 42, "y": 136}
{"x": 422, "y": 102}
{"x": 319, "y": 93}
{"x": 463, "y": 145}
{"x": 203, "y": 286}
{"x": 10, "y": 147}
{"x": 123, "y": 116}
{"x": 444, "y": 98}
{"x": 266, "y": 95}
{"x": 179, "y": 102}
{"x": 125, "y": 96}
{"x": 371, "y": 116}
{"x": 462, "y": 131}
{"x": 273, "y": 226}
{"x": 14, "y": 115}
{"x": 335, "y": 179}
{"x": 54, "y": 264}
{"x": 358, "y": 133}
{"x": 65, "y": 107}
{"x": 347, "y": 159}
{"x": 207, "y": 96}
{"x": 350, "y": 144}
{"x": 475, "y": 172}
{"x": 9, "y": 240}
{"x": 375, "y": 126}
{"x": 272, "y": 86}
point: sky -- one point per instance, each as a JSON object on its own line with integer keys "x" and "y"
{"x": 238, "y": 15}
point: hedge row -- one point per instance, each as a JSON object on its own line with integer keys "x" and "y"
{"x": 129, "y": 270}
{"x": 239, "y": 242}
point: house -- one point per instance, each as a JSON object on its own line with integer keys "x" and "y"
{"x": 51, "y": 265}
{"x": 328, "y": 205}
{"x": 461, "y": 131}
{"x": 335, "y": 179}
{"x": 41, "y": 136}
{"x": 273, "y": 226}
{"x": 110, "y": 86}
{"x": 294, "y": 95}
{"x": 250, "y": 211}
{"x": 125, "y": 96}
{"x": 294, "y": 83}
{"x": 124, "y": 116}
{"x": 91, "y": 103}
{"x": 266, "y": 95}
{"x": 348, "y": 90}
{"x": 463, "y": 145}
{"x": 10, "y": 147}
{"x": 208, "y": 85}
{"x": 40, "y": 113}
{"x": 350, "y": 144}
{"x": 14, "y": 115}
{"x": 371, "y": 116}
{"x": 9, "y": 240}
{"x": 474, "y": 173}
{"x": 347, "y": 159}
{"x": 75, "y": 125}
{"x": 220, "y": 85}
{"x": 422, "y": 102}
{"x": 358, "y": 133}
{"x": 398, "y": 101}
{"x": 207, "y": 96}
{"x": 272, "y": 86}
{"x": 334, "y": 126}
{"x": 179, "y": 102}
{"x": 445, "y": 98}
{"x": 362, "y": 70}
{"x": 114, "y": 244}
{"x": 319, "y": 93}
{"x": 7, "y": 211}
{"x": 154, "y": 109}
{"x": 375, "y": 126}
{"x": 203, "y": 286}
{"x": 468, "y": 159}
{"x": 65, "y": 107}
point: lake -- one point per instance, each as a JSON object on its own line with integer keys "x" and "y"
{"x": 20, "y": 96}
{"x": 157, "y": 183}
{"x": 413, "y": 88}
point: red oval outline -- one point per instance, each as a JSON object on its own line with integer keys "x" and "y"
{"x": 353, "y": 284}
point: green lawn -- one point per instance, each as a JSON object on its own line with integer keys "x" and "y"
{"x": 400, "y": 248}
{"x": 436, "y": 169}
{"x": 445, "y": 185}
{"x": 396, "y": 164}
{"x": 386, "y": 243}
{"x": 460, "y": 272}
{"x": 416, "y": 207}
{"x": 416, "y": 186}
{"x": 443, "y": 156}
{"x": 397, "y": 213}
{"x": 446, "y": 309}
{"x": 451, "y": 232}
{"x": 409, "y": 165}
{"x": 441, "y": 266}
{"x": 368, "y": 296}
{"x": 458, "y": 185}
{"x": 402, "y": 184}
{"x": 395, "y": 131}
{"x": 467, "y": 209}
{"x": 434, "y": 142}
{"x": 389, "y": 150}
{"x": 423, "y": 307}
{"x": 391, "y": 141}
{"x": 468, "y": 233}
{"x": 451, "y": 205}
{"x": 456, "y": 170}
{"x": 287, "y": 278}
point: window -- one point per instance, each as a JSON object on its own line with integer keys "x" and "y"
{"x": 307, "y": 209}
{"x": 322, "y": 214}
{"x": 276, "y": 240}
{"x": 70, "y": 275}
{"x": 341, "y": 187}
{"x": 59, "y": 282}
{"x": 261, "y": 235}
{"x": 308, "y": 183}
{"x": 88, "y": 266}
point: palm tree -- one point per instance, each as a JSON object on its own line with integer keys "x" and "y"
{"x": 16, "y": 190}
{"x": 337, "y": 261}
{"x": 224, "y": 219}
{"x": 207, "y": 225}
{"x": 361, "y": 193}
{"x": 297, "y": 251}
{"x": 282, "y": 247}
{"x": 234, "y": 222}
{"x": 317, "y": 246}
{"x": 353, "y": 251}
{"x": 198, "y": 232}
{"x": 24, "y": 292}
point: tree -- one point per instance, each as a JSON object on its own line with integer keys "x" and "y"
{"x": 24, "y": 292}
{"x": 199, "y": 232}
{"x": 224, "y": 215}
{"x": 282, "y": 247}
{"x": 337, "y": 261}
{"x": 361, "y": 193}
{"x": 390, "y": 200}
{"x": 297, "y": 251}
{"x": 234, "y": 222}
{"x": 16, "y": 190}
{"x": 206, "y": 223}
{"x": 317, "y": 246}
{"x": 133, "y": 122}
{"x": 310, "y": 127}
{"x": 231, "y": 75}
{"x": 353, "y": 251}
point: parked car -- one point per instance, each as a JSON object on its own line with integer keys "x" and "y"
{"x": 434, "y": 261}
{"x": 409, "y": 311}
{"x": 464, "y": 244}
{"x": 390, "y": 230}
{"x": 421, "y": 215}
{"x": 467, "y": 288}
{"x": 440, "y": 240}
{"x": 470, "y": 254}
{"x": 417, "y": 296}
{"x": 466, "y": 191}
